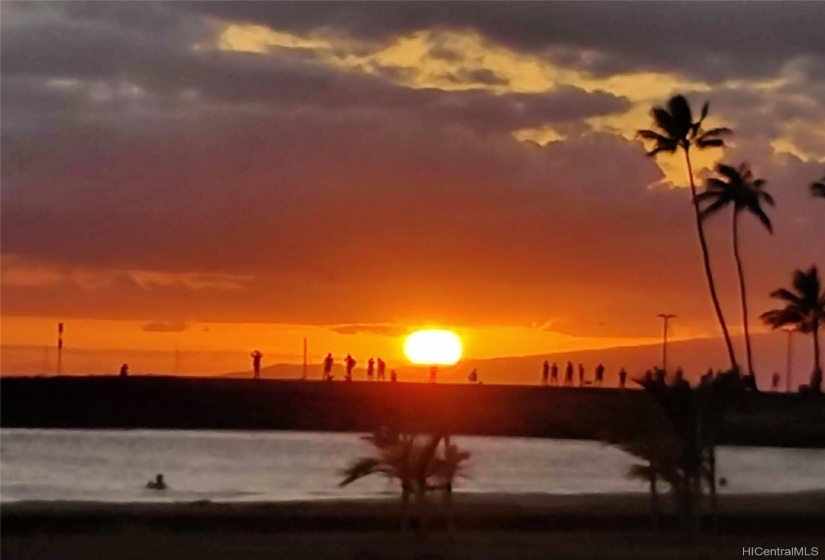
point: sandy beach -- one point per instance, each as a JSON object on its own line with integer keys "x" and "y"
{"x": 489, "y": 526}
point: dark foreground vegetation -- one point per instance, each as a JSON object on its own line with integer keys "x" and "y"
{"x": 760, "y": 419}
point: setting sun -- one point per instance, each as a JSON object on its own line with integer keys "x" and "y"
{"x": 433, "y": 347}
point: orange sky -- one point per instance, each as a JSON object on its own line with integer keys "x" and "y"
{"x": 217, "y": 177}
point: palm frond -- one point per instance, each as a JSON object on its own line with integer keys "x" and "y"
{"x": 710, "y": 143}
{"x": 682, "y": 119}
{"x": 714, "y": 208}
{"x": 766, "y": 221}
{"x": 721, "y": 131}
{"x": 362, "y": 467}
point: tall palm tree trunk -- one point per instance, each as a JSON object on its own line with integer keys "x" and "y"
{"x": 448, "y": 490}
{"x": 714, "y": 507}
{"x": 706, "y": 260}
{"x": 654, "y": 499}
{"x": 816, "y": 377}
{"x": 743, "y": 296}
{"x": 405, "y": 506}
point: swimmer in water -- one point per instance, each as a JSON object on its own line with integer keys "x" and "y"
{"x": 157, "y": 484}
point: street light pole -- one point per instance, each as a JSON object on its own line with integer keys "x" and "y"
{"x": 790, "y": 332}
{"x": 665, "y": 317}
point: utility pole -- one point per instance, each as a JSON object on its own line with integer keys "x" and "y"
{"x": 790, "y": 331}
{"x": 59, "y": 348}
{"x": 665, "y": 317}
{"x": 304, "y": 376}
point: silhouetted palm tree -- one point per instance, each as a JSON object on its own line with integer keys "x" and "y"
{"x": 677, "y": 439}
{"x": 818, "y": 188}
{"x": 415, "y": 463}
{"x": 676, "y": 130}
{"x": 804, "y": 309}
{"x": 737, "y": 187}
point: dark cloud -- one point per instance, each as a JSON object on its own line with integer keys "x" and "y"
{"x": 165, "y": 326}
{"x": 386, "y": 330}
{"x": 719, "y": 41}
{"x": 342, "y": 197}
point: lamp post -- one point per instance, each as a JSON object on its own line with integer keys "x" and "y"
{"x": 790, "y": 331}
{"x": 665, "y": 318}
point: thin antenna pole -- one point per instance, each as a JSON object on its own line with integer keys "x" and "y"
{"x": 59, "y": 348}
{"x": 304, "y": 376}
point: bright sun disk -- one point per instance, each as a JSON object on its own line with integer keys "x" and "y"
{"x": 433, "y": 347}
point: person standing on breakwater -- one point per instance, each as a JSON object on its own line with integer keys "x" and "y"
{"x": 124, "y": 370}
{"x": 370, "y": 369}
{"x": 545, "y": 373}
{"x": 554, "y": 374}
{"x": 393, "y": 376}
{"x": 622, "y": 378}
{"x": 349, "y": 362}
{"x": 581, "y": 375}
{"x": 382, "y": 367}
{"x": 599, "y": 375}
{"x": 328, "y": 367}
{"x": 256, "y": 363}
{"x": 568, "y": 374}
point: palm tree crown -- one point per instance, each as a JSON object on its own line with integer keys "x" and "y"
{"x": 677, "y": 129}
{"x": 805, "y": 310}
{"x": 739, "y": 188}
{"x": 804, "y": 307}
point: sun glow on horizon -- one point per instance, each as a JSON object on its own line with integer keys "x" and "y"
{"x": 433, "y": 347}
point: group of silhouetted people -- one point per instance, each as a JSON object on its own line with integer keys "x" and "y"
{"x": 376, "y": 369}
{"x": 550, "y": 375}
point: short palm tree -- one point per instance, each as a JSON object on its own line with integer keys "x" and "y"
{"x": 805, "y": 310}
{"x": 676, "y": 130}
{"x": 415, "y": 462}
{"x": 680, "y": 447}
{"x": 818, "y": 188}
{"x": 737, "y": 187}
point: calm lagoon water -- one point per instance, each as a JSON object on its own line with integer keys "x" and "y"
{"x": 114, "y": 466}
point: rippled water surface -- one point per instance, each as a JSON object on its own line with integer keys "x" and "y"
{"x": 228, "y": 466}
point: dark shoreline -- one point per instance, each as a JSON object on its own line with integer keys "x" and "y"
{"x": 763, "y": 420}
{"x": 753, "y": 514}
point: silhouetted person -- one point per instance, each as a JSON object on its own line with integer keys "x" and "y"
{"x": 256, "y": 363}
{"x": 554, "y": 374}
{"x": 680, "y": 380}
{"x": 157, "y": 484}
{"x": 473, "y": 377}
{"x": 581, "y": 375}
{"x": 382, "y": 367}
{"x": 622, "y": 378}
{"x": 660, "y": 376}
{"x": 328, "y": 367}
{"x": 545, "y": 372}
{"x": 433, "y": 373}
{"x": 599, "y": 375}
{"x": 775, "y": 381}
{"x": 707, "y": 378}
{"x": 349, "y": 362}
{"x": 124, "y": 370}
{"x": 393, "y": 376}
{"x": 370, "y": 369}
{"x": 568, "y": 374}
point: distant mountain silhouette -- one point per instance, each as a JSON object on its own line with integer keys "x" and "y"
{"x": 694, "y": 356}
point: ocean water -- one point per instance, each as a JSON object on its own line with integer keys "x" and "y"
{"x": 114, "y": 466}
